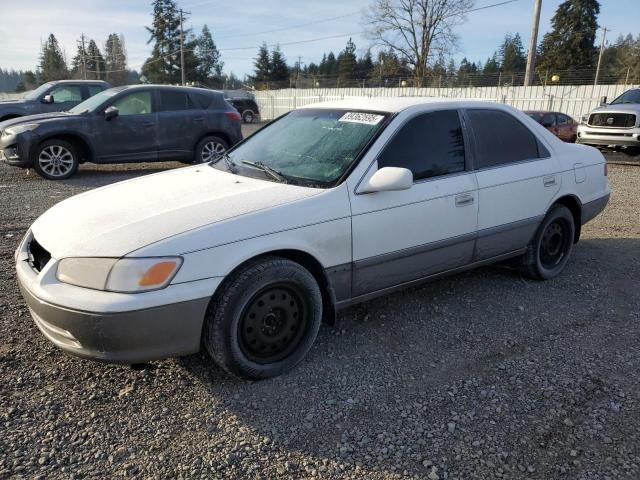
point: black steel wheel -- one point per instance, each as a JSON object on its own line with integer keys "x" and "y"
{"x": 264, "y": 318}
{"x": 551, "y": 246}
{"x": 248, "y": 116}
{"x": 273, "y": 324}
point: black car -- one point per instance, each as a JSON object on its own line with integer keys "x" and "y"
{"x": 51, "y": 97}
{"x": 247, "y": 107}
{"x": 141, "y": 123}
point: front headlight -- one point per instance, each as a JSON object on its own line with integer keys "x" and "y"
{"x": 20, "y": 129}
{"x": 126, "y": 275}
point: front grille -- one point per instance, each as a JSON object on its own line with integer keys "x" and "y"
{"x": 620, "y": 120}
{"x": 38, "y": 256}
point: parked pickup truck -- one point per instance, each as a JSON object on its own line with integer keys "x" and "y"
{"x": 58, "y": 96}
{"x": 613, "y": 125}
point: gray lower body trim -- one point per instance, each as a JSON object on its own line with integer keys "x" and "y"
{"x": 125, "y": 337}
{"x": 592, "y": 209}
{"x": 385, "y": 291}
{"x": 505, "y": 238}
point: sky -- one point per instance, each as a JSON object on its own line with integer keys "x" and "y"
{"x": 240, "y": 26}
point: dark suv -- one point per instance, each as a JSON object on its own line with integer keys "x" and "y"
{"x": 141, "y": 123}
{"x": 247, "y": 107}
{"x": 51, "y": 97}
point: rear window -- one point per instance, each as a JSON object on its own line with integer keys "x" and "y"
{"x": 501, "y": 138}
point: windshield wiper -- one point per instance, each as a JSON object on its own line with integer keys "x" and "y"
{"x": 231, "y": 165}
{"x": 266, "y": 169}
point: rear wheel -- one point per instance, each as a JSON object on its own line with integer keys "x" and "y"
{"x": 248, "y": 116}
{"x": 210, "y": 149}
{"x": 265, "y": 319}
{"x": 56, "y": 159}
{"x": 552, "y": 244}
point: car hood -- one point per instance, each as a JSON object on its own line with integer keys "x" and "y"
{"x": 115, "y": 220}
{"x": 39, "y": 118}
{"x": 619, "y": 107}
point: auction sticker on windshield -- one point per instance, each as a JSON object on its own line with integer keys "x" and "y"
{"x": 360, "y": 117}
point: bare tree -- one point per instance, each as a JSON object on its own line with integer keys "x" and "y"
{"x": 416, "y": 30}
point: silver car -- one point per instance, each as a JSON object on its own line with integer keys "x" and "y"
{"x": 616, "y": 124}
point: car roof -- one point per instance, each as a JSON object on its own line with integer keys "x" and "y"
{"x": 168, "y": 87}
{"x": 398, "y": 104}
{"x": 89, "y": 82}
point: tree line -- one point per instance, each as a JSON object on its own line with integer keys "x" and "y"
{"x": 567, "y": 51}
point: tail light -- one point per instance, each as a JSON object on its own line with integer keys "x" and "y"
{"x": 606, "y": 169}
{"x": 233, "y": 116}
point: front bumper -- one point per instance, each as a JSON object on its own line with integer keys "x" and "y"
{"x": 16, "y": 150}
{"x": 619, "y": 137}
{"x": 114, "y": 327}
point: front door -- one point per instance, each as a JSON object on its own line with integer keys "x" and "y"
{"x": 131, "y": 136}
{"x": 65, "y": 97}
{"x": 517, "y": 181}
{"x": 407, "y": 235}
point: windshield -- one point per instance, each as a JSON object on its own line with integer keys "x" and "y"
{"x": 632, "y": 96}
{"x": 91, "y": 104}
{"x": 307, "y": 147}
{"x": 38, "y": 92}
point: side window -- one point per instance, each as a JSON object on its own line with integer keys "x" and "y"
{"x": 429, "y": 145}
{"x": 66, "y": 93}
{"x": 548, "y": 120}
{"x": 202, "y": 100}
{"x": 174, "y": 101}
{"x": 562, "y": 119}
{"x": 136, "y": 103}
{"x": 93, "y": 89}
{"x": 500, "y": 138}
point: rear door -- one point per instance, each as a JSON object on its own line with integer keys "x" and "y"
{"x": 132, "y": 136}
{"x": 406, "y": 235}
{"x": 181, "y": 124}
{"x": 517, "y": 180}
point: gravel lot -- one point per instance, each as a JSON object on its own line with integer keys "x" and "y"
{"x": 479, "y": 376}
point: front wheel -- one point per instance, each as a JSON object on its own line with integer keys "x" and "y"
{"x": 264, "y": 320}
{"x": 552, "y": 244}
{"x": 210, "y": 149}
{"x": 56, "y": 159}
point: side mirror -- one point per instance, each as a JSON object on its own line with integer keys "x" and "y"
{"x": 47, "y": 99}
{"x": 603, "y": 101}
{"x": 111, "y": 112}
{"x": 388, "y": 179}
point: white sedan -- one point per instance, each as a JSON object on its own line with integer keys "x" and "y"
{"x": 329, "y": 205}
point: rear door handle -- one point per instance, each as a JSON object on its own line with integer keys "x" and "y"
{"x": 464, "y": 200}
{"x": 549, "y": 181}
{"x": 199, "y": 119}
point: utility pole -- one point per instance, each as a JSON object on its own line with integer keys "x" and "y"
{"x": 604, "y": 36}
{"x": 182, "y": 76}
{"x": 533, "y": 43}
{"x": 298, "y": 76}
{"x": 84, "y": 60}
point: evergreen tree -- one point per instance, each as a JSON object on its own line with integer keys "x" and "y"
{"x": 512, "y": 55}
{"x": 115, "y": 60}
{"x": 208, "y": 56}
{"x": 78, "y": 61}
{"x": 492, "y": 66}
{"x": 52, "y": 64}
{"x": 95, "y": 62}
{"x": 163, "y": 66}
{"x": 365, "y": 68}
{"x": 331, "y": 64}
{"x": 278, "y": 70}
{"x": 570, "y": 43}
{"x": 347, "y": 61}
{"x": 262, "y": 65}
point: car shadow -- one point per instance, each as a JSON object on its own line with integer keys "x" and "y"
{"x": 389, "y": 357}
{"x": 92, "y": 175}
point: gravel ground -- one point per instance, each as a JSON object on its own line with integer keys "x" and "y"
{"x": 479, "y": 376}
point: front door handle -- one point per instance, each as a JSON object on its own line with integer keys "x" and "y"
{"x": 464, "y": 200}
{"x": 549, "y": 181}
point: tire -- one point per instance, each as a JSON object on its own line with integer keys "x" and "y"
{"x": 264, "y": 320}
{"x": 551, "y": 247}
{"x": 56, "y": 159}
{"x": 248, "y": 116}
{"x": 209, "y": 148}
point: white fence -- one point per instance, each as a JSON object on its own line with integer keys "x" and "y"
{"x": 572, "y": 100}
